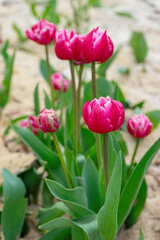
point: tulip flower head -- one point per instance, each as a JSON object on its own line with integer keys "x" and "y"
{"x": 43, "y": 32}
{"x": 97, "y": 46}
{"x": 139, "y": 126}
{"x": 69, "y": 46}
{"x": 48, "y": 120}
{"x": 31, "y": 121}
{"x": 103, "y": 115}
{"x": 60, "y": 83}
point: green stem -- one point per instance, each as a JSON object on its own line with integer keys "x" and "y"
{"x": 94, "y": 93}
{"x": 65, "y": 169}
{"x": 105, "y": 159}
{"x": 49, "y": 75}
{"x": 134, "y": 154}
{"x": 75, "y": 110}
{"x": 79, "y": 100}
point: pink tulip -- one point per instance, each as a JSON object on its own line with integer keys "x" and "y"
{"x": 33, "y": 122}
{"x": 48, "y": 120}
{"x": 103, "y": 115}
{"x": 97, "y": 46}
{"x": 139, "y": 126}
{"x": 69, "y": 46}
{"x": 60, "y": 83}
{"x": 42, "y": 32}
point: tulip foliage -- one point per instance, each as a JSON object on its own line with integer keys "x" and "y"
{"x": 89, "y": 191}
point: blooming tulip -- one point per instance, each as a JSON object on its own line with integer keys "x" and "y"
{"x": 33, "y": 121}
{"x": 60, "y": 83}
{"x": 97, "y": 46}
{"x": 48, "y": 120}
{"x": 139, "y": 126}
{"x": 69, "y": 46}
{"x": 103, "y": 115}
{"x": 42, "y": 32}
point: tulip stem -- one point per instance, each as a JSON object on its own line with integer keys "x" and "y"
{"x": 106, "y": 159}
{"x": 75, "y": 110}
{"x": 49, "y": 75}
{"x": 65, "y": 169}
{"x": 94, "y": 93}
{"x": 133, "y": 156}
{"x": 79, "y": 100}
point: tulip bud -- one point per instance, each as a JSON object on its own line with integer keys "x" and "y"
{"x": 103, "y": 115}
{"x": 139, "y": 126}
{"x": 97, "y": 47}
{"x": 33, "y": 122}
{"x": 48, "y": 120}
{"x": 42, "y": 32}
{"x": 60, "y": 83}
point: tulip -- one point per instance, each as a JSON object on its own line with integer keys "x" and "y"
{"x": 43, "y": 32}
{"x": 31, "y": 121}
{"x": 60, "y": 83}
{"x": 97, "y": 47}
{"x": 103, "y": 115}
{"x": 139, "y": 126}
{"x": 48, "y": 120}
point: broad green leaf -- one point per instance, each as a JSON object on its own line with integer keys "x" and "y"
{"x": 32, "y": 179}
{"x": 15, "y": 206}
{"x": 87, "y": 139}
{"x": 47, "y": 197}
{"x": 57, "y": 234}
{"x": 134, "y": 183}
{"x": 104, "y": 66}
{"x": 138, "y": 206}
{"x": 118, "y": 94}
{"x": 139, "y": 46}
{"x": 88, "y": 224}
{"x": 48, "y": 104}
{"x": 77, "y": 233}
{"x": 90, "y": 176}
{"x": 43, "y": 70}
{"x": 107, "y": 216}
{"x": 74, "y": 199}
{"x": 154, "y": 117}
{"x": 57, "y": 210}
{"x": 12, "y": 122}
{"x": 50, "y": 13}
{"x": 76, "y": 195}
{"x": 36, "y": 100}
{"x": 112, "y": 154}
{"x": 50, "y": 158}
{"x": 141, "y": 237}
{"x": 119, "y": 138}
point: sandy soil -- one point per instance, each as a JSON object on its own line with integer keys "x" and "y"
{"x": 137, "y": 86}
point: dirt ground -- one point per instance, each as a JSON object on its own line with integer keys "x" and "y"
{"x": 137, "y": 86}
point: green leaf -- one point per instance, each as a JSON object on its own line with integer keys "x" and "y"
{"x": 49, "y": 12}
{"x": 88, "y": 224}
{"x": 15, "y": 206}
{"x": 32, "y": 179}
{"x": 43, "y": 70}
{"x": 104, "y": 66}
{"x": 107, "y": 216}
{"x": 14, "y": 121}
{"x": 134, "y": 183}
{"x": 47, "y": 197}
{"x": 90, "y": 176}
{"x": 139, "y": 46}
{"x": 112, "y": 154}
{"x": 57, "y": 234}
{"x": 119, "y": 138}
{"x": 154, "y": 117}
{"x": 141, "y": 237}
{"x": 138, "y": 206}
{"x": 77, "y": 233}
{"x": 50, "y": 158}
{"x": 22, "y": 37}
{"x": 87, "y": 139}
{"x": 76, "y": 195}
{"x": 36, "y": 100}
{"x": 48, "y": 104}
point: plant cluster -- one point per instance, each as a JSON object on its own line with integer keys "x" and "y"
{"x": 89, "y": 191}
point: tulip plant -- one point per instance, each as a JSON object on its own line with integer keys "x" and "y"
{"x": 90, "y": 190}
